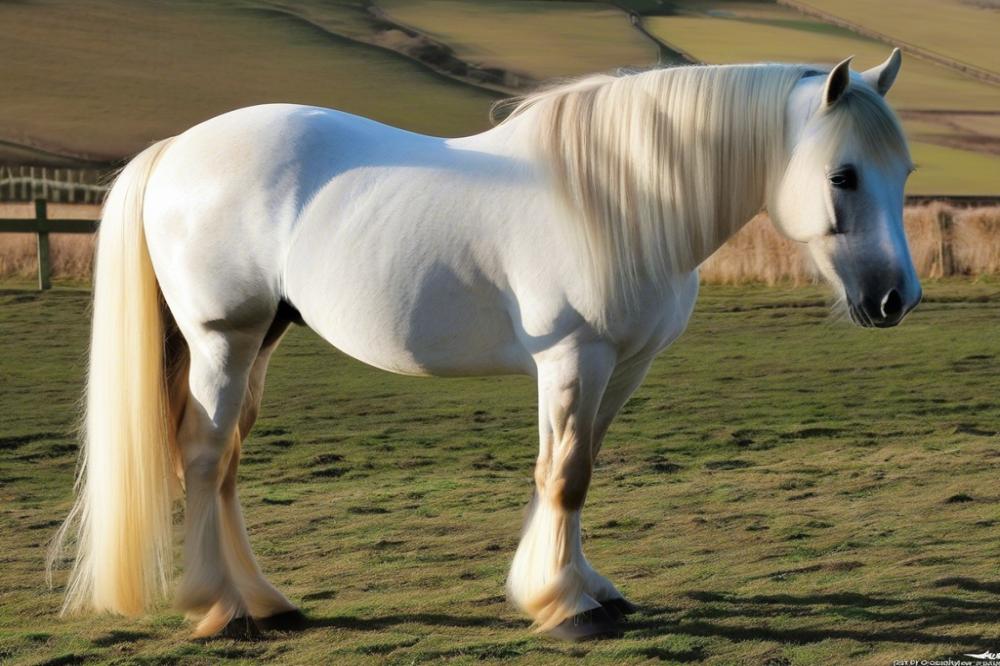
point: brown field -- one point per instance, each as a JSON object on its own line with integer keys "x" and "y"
{"x": 944, "y": 240}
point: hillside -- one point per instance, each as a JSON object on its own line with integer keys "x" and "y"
{"x": 94, "y": 83}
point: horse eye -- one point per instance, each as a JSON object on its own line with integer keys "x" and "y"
{"x": 845, "y": 179}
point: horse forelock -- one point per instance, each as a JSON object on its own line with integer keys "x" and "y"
{"x": 862, "y": 118}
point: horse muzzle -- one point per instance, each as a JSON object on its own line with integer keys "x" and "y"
{"x": 884, "y": 309}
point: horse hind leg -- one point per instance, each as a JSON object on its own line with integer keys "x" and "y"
{"x": 269, "y": 608}
{"x": 207, "y": 440}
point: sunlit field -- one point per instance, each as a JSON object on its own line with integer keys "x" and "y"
{"x": 538, "y": 38}
{"x": 783, "y": 489}
{"x": 956, "y": 29}
{"x": 107, "y": 78}
{"x": 955, "y": 156}
{"x": 102, "y": 81}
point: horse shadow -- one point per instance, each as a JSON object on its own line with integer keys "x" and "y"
{"x": 383, "y": 622}
{"x": 914, "y": 621}
{"x": 741, "y": 618}
{"x": 917, "y": 620}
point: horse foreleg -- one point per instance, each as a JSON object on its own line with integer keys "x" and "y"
{"x": 550, "y": 578}
{"x": 624, "y": 381}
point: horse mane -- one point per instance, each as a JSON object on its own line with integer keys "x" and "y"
{"x": 660, "y": 167}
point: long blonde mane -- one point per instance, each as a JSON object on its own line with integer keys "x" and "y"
{"x": 659, "y": 168}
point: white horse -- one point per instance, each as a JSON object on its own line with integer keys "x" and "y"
{"x": 561, "y": 244}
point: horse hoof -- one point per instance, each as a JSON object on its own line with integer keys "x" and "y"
{"x": 586, "y": 626}
{"x": 619, "y": 608}
{"x": 241, "y": 629}
{"x": 290, "y": 620}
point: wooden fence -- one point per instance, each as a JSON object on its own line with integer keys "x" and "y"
{"x": 42, "y": 226}
{"x": 942, "y": 262}
{"x": 27, "y": 183}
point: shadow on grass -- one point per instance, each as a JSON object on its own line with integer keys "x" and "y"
{"x": 116, "y": 637}
{"x": 857, "y": 617}
{"x": 877, "y": 618}
{"x": 490, "y": 650}
{"x": 968, "y": 584}
{"x": 428, "y": 619}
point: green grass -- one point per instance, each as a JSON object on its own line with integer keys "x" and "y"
{"x": 541, "y": 39}
{"x": 960, "y": 29}
{"x": 942, "y": 169}
{"x": 106, "y": 78}
{"x": 782, "y": 488}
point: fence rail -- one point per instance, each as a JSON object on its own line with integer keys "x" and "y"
{"x": 42, "y": 226}
{"x": 60, "y": 185}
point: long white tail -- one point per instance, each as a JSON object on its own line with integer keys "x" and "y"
{"x": 122, "y": 518}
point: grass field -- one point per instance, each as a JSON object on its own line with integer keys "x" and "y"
{"x": 952, "y": 170}
{"x": 784, "y": 489}
{"x": 728, "y": 32}
{"x": 106, "y": 78}
{"x": 539, "y": 38}
{"x": 103, "y": 79}
{"x": 955, "y": 158}
{"x": 964, "y": 30}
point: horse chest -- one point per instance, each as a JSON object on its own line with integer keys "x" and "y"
{"x": 661, "y": 318}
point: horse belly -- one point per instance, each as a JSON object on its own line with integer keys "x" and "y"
{"x": 429, "y": 319}
{"x": 448, "y": 333}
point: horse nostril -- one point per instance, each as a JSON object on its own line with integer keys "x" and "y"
{"x": 892, "y": 305}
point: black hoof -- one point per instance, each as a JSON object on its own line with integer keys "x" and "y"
{"x": 586, "y": 626}
{"x": 619, "y": 608}
{"x": 241, "y": 629}
{"x": 291, "y": 620}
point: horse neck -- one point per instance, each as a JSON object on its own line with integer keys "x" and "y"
{"x": 658, "y": 169}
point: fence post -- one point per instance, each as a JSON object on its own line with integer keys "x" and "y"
{"x": 44, "y": 267}
{"x": 945, "y": 221}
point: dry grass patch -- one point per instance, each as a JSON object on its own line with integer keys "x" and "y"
{"x": 944, "y": 241}
{"x": 72, "y": 255}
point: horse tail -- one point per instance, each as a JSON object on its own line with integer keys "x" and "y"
{"x": 125, "y": 488}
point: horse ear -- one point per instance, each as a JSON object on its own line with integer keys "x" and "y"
{"x": 882, "y": 77}
{"x": 836, "y": 83}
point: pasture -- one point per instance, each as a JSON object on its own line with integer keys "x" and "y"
{"x": 957, "y": 29}
{"x": 160, "y": 68}
{"x": 157, "y": 69}
{"x": 784, "y": 489}
{"x": 953, "y": 154}
{"x": 540, "y": 39}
